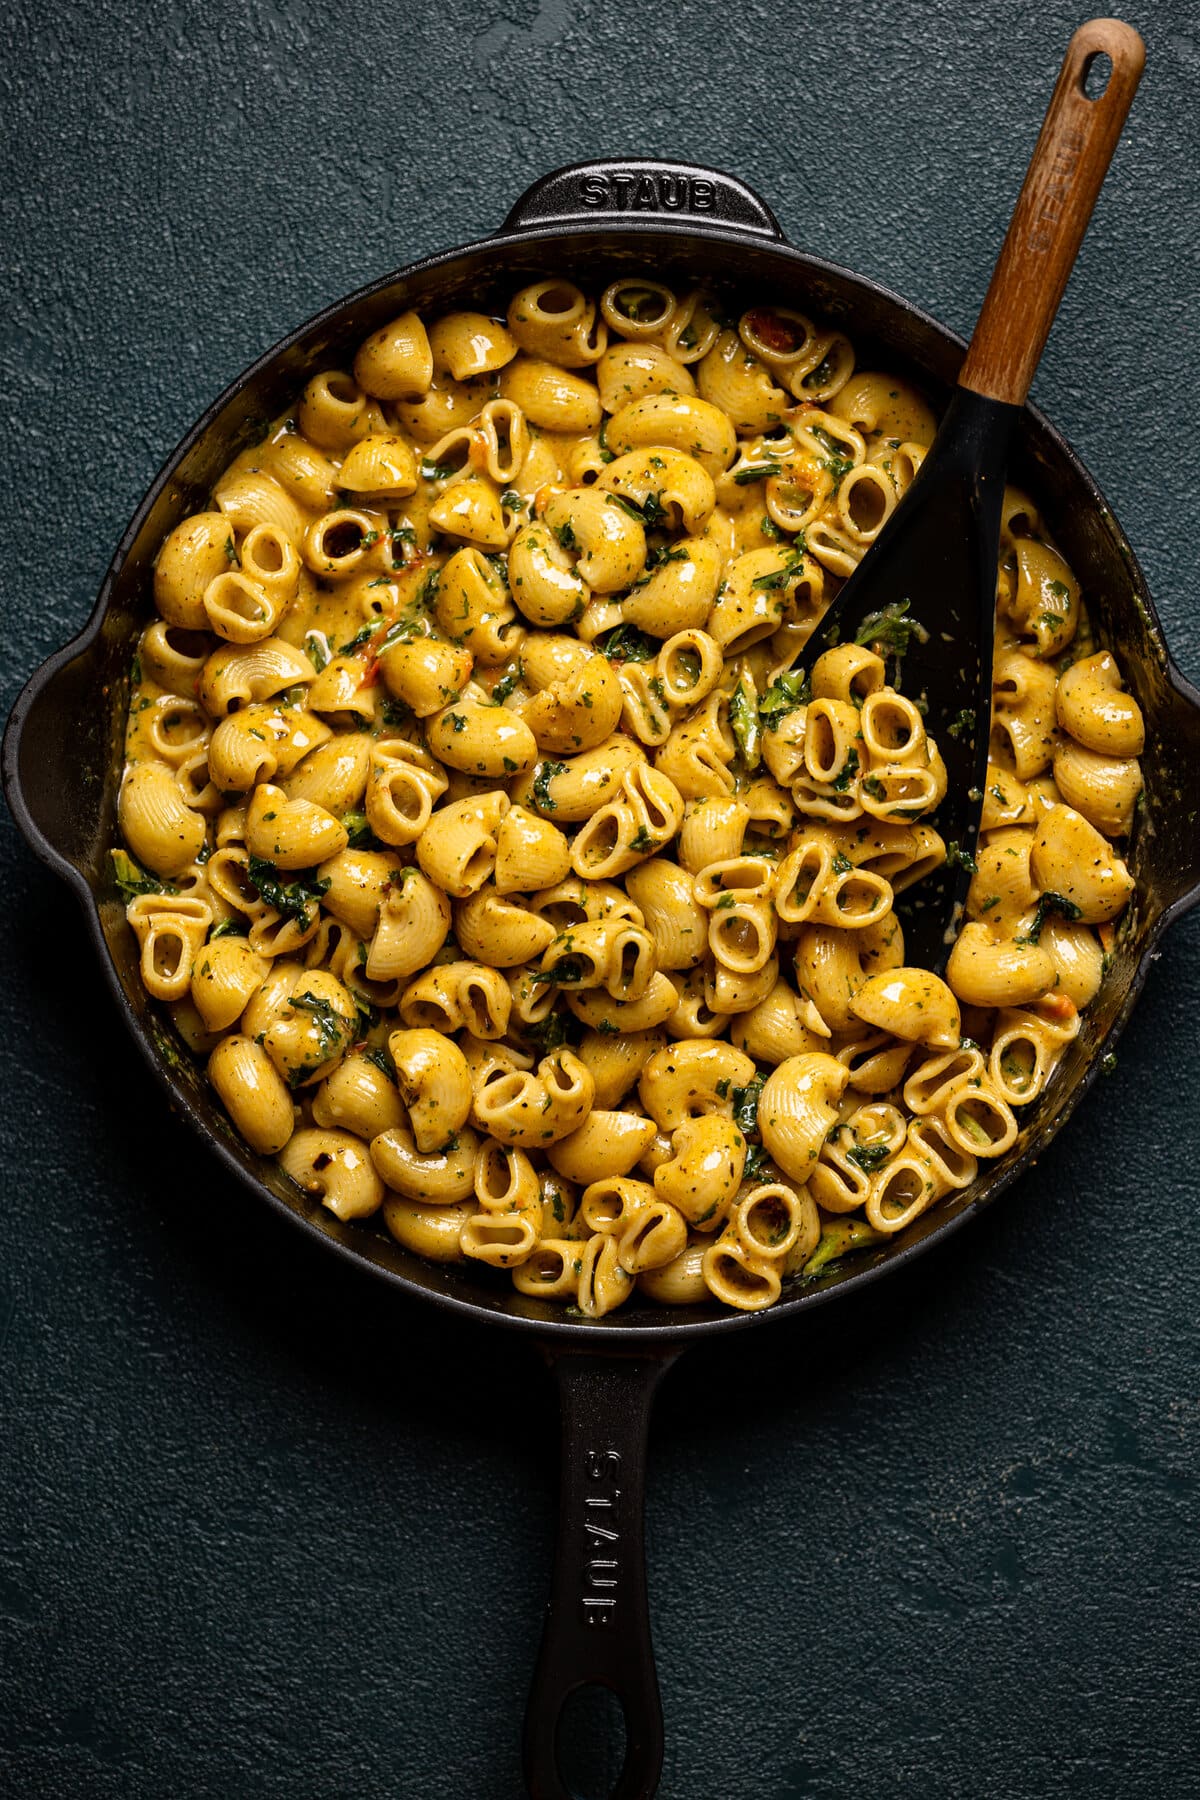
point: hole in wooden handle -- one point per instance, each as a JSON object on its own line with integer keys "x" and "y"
{"x": 1095, "y": 74}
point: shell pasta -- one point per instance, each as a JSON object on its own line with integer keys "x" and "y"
{"x": 518, "y": 890}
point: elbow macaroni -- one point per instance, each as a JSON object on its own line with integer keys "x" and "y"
{"x": 483, "y": 838}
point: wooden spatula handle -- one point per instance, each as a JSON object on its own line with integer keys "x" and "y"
{"x": 1062, "y": 182}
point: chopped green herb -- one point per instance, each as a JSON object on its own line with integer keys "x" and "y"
{"x": 688, "y": 666}
{"x": 657, "y": 557}
{"x": 361, "y": 637}
{"x": 568, "y": 971}
{"x": 786, "y": 694}
{"x": 412, "y": 623}
{"x": 756, "y": 472}
{"x": 842, "y": 781}
{"x": 545, "y": 773}
{"x": 360, "y": 834}
{"x": 133, "y": 880}
{"x": 1048, "y": 903}
{"x": 758, "y": 1163}
{"x": 963, "y": 858}
{"x": 868, "y": 1156}
{"x": 962, "y": 723}
{"x": 382, "y": 1059}
{"x": 507, "y": 682}
{"x": 837, "y": 464}
{"x": 648, "y": 512}
{"x": 625, "y": 643}
{"x": 890, "y": 629}
{"x": 293, "y": 894}
{"x": 316, "y": 648}
{"x": 332, "y": 1029}
{"x": 745, "y": 1105}
{"x": 775, "y": 579}
{"x": 838, "y": 1239}
{"x": 745, "y": 722}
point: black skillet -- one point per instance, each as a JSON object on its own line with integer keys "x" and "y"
{"x": 589, "y": 222}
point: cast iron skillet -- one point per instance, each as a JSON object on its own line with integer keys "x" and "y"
{"x": 588, "y": 221}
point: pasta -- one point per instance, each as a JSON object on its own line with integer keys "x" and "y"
{"x": 482, "y": 834}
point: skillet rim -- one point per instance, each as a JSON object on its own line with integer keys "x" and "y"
{"x": 599, "y": 1336}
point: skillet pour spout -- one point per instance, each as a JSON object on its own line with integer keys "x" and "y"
{"x": 61, "y": 766}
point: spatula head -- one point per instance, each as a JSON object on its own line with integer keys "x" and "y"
{"x": 927, "y": 587}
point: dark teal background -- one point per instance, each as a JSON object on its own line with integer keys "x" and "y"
{"x": 265, "y": 1531}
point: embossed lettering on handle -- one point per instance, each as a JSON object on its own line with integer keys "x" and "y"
{"x": 597, "y": 1629}
{"x": 643, "y": 190}
{"x": 600, "y": 1581}
{"x": 626, "y": 191}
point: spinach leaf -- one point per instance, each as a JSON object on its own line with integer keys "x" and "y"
{"x": 133, "y": 880}
{"x": 786, "y": 694}
{"x": 869, "y": 1157}
{"x": 745, "y": 1106}
{"x": 889, "y": 630}
{"x": 625, "y": 643}
{"x": 292, "y": 893}
{"x": 1048, "y": 903}
{"x": 745, "y": 722}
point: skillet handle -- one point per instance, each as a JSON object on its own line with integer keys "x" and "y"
{"x": 645, "y": 189}
{"x": 597, "y": 1629}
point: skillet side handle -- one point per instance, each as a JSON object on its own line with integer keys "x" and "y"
{"x": 1173, "y": 843}
{"x": 645, "y": 189}
{"x": 58, "y": 714}
{"x": 597, "y": 1629}
{"x": 1062, "y": 184}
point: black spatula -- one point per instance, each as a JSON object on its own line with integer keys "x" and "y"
{"x": 938, "y": 550}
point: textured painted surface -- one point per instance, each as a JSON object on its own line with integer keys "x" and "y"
{"x": 262, "y": 1531}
